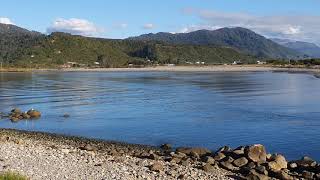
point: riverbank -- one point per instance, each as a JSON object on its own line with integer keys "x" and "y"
{"x": 49, "y": 156}
{"x": 213, "y": 68}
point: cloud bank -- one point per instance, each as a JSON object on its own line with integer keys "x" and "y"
{"x": 297, "y": 27}
{"x": 74, "y": 26}
{"x": 148, "y": 26}
{"x": 4, "y": 20}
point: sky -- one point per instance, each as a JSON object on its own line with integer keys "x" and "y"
{"x": 289, "y": 19}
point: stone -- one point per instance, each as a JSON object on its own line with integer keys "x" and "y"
{"x": 194, "y": 155}
{"x": 154, "y": 156}
{"x": 278, "y": 162}
{"x": 261, "y": 169}
{"x": 208, "y": 168}
{"x": 178, "y": 155}
{"x": 240, "y": 162}
{"x": 66, "y": 115}
{"x": 157, "y": 167}
{"x": 229, "y": 159}
{"x": 208, "y": 160}
{"x": 239, "y": 151}
{"x": 306, "y": 162}
{"x": 256, "y": 153}
{"x": 199, "y": 151}
{"x": 307, "y": 175}
{"x": 14, "y": 119}
{"x": 25, "y": 116}
{"x": 181, "y": 176}
{"x": 34, "y": 113}
{"x": 87, "y": 147}
{"x": 166, "y": 147}
{"x": 65, "y": 151}
{"x": 256, "y": 176}
{"x": 225, "y": 149}
{"x": 284, "y": 176}
{"x": 16, "y": 111}
{"x": 227, "y": 165}
{"x": 219, "y": 156}
{"x": 293, "y": 165}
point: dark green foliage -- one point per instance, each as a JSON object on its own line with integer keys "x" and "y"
{"x": 239, "y": 38}
{"x": 22, "y": 48}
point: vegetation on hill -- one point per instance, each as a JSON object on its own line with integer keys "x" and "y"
{"x": 242, "y": 39}
{"x": 23, "y": 48}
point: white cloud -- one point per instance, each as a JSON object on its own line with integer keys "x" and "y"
{"x": 297, "y": 27}
{"x": 75, "y": 26}
{"x": 4, "y": 20}
{"x": 123, "y": 25}
{"x": 148, "y": 26}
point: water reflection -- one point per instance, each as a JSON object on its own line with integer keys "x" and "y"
{"x": 195, "y": 109}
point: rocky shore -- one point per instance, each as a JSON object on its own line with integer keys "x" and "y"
{"x": 49, "y": 156}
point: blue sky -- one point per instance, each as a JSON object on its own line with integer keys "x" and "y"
{"x": 294, "y": 19}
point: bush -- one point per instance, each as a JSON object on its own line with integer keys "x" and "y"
{"x": 11, "y": 176}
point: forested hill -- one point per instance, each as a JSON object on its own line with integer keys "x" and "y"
{"x": 20, "y": 47}
{"x": 14, "y": 39}
{"x": 242, "y": 39}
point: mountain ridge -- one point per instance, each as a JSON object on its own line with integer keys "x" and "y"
{"x": 309, "y": 49}
{"x": 239, "y": 38}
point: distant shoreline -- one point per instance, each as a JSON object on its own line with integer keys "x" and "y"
{"x": 213, "y": 68}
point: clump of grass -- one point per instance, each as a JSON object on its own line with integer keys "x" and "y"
{"x": 12, "y": 176}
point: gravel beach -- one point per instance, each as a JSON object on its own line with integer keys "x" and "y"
{"x": 49, "y": 156}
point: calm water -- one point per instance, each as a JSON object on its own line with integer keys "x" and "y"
{"x": 279, "y": 110}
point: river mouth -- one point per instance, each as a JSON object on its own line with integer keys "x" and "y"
{"x": 208, "y": 109}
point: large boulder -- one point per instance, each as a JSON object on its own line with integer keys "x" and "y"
{"x": 208, "y": 168}
{"x": 253, "y": 175}
{"x": 305, "y": 162}
{"x": 199, "y": 151}
{"x": 278, "y": 162}
{"x": 256, "y": 153}
{"x": 240, "y": 162}
{"x": 34, "y": 113}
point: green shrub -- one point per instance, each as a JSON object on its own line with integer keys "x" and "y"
{"x": 11, "y": 176}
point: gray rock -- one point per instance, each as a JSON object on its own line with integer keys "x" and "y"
{"x": 227, "y": 165}
{"x": 208, "y": 168}
{"x": 306, "y": 162}
{"x": 256, "y": 176}
{"x": 219, "y": 156}
{"x": 208, "y": 160}
{"x": 293, "y": 165}
{"x": 256, "y": 153}
{"x": 278, "y": 162}
{"x": 199, "y": 151}
{"x": 308, "y": 175}
{"x": 239, "y": 151}
{"x": 262, "y": 170}
{"x": 284, "y": 176}
{"x": 166, "y": 147}
{"x": 240, "y": 162}
{"x": 157, "y": 167}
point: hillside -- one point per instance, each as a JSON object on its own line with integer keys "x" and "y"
{"x": 14, "y": 39}
{"x": 242, "y": 39}
{"x": 23, "y": 48}
{"x": 309, "y": 49}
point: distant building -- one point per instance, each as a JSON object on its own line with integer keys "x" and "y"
{"x": 237, "y": 62}
{"x": 261, "y": 62}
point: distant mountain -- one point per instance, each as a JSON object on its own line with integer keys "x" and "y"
{"x": 242, "y": 39}
{"x": 309, "y": 49}
{"x": 13, "y": 39}
{"x": 23, "y": 48}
